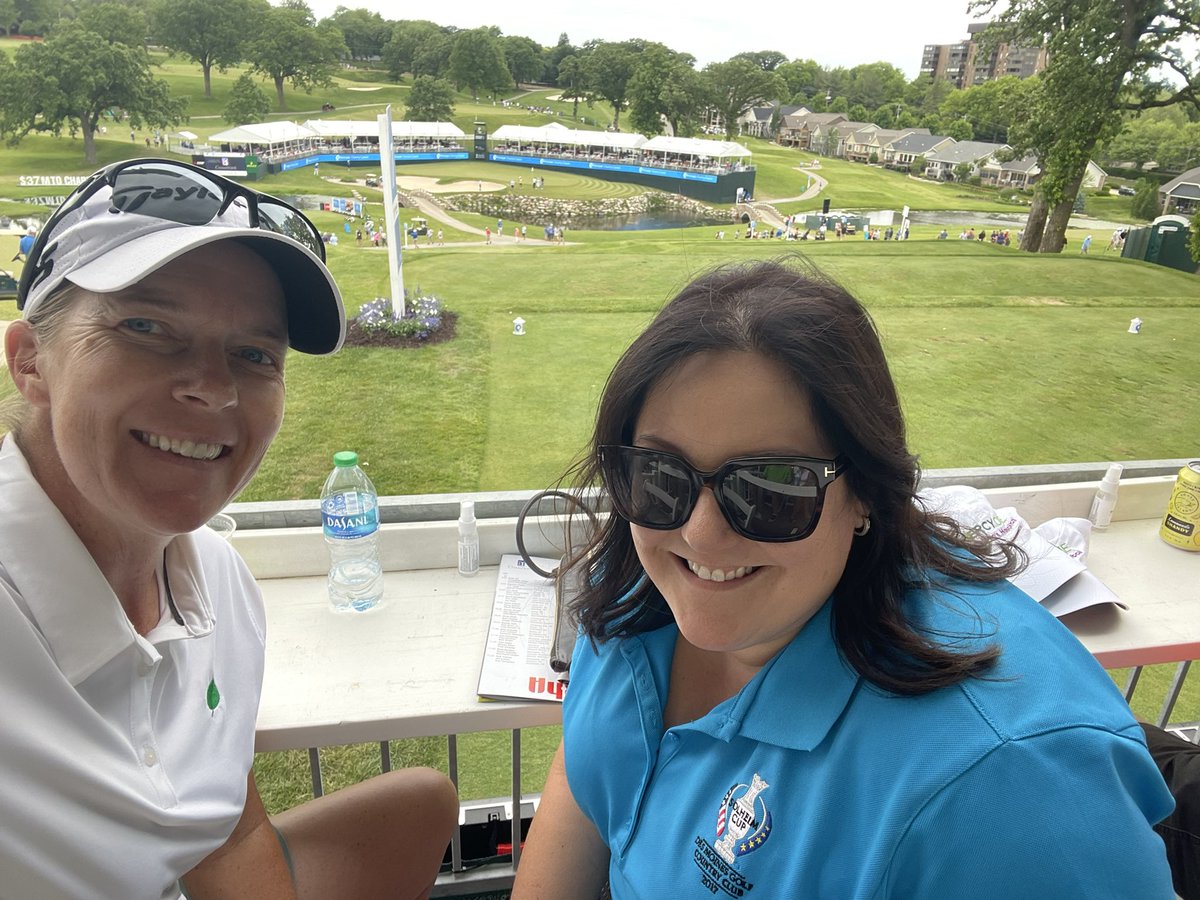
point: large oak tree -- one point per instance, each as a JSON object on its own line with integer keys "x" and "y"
{"x": 208, "y": 32}
{"x": 1107, "y": 57}
{"x": 69, "y": 81}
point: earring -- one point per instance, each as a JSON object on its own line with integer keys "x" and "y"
{"x": 862, "y": 529}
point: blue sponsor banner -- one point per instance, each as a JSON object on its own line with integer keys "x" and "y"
{"x": 429, "y": 156}
{"x": 678, "y": 174}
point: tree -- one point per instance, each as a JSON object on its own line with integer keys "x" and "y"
{"x": 115, "y": 22}
{"x": 858, "y": 113}
{"x": 1145, "y": 200}
{"x": 408, "y": 39}
{"x": 1105, "y": 58}
{"x": 665, "y": 86}
{"x": 247, "y": 101}
{"x": 430, "y": 100}
{"x": 208, "y": 32}
{"x": 555, "y": 55}
{"x": 525, "y": 58}
{"x": 288, "y": 46}
{"x": 918, "y": 165}
{"x": 962, "y": 171}
{"x": 960, "y": 130}
{"x": 72, "y": 78}
{"x": 875, "y": 84}
{"x": 28, "y": 17}
{"x": 992, "y": 106}
{"x": 477, "y": 63}
{"x": 767, "y": 60}
{"x": 365, "y": 33}
{"x": 801, "y": 76}
{"x": 738, "y": 85}
{"x": 572, "y": 78}
{"x": 608, "y": 68}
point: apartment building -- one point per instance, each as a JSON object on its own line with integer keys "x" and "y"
{"x": 973, "y": 62}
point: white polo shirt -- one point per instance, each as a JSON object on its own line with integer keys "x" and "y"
{"x": 123, "y": 758}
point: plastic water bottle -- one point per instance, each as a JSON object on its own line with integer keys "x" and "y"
{"x": 350, "y": 519}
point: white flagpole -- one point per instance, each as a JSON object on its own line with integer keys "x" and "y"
{"x": 391, "y": 211}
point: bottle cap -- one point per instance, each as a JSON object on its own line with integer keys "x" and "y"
{"x": 345, "y": 458}
{"x": 1113, "y": 475}
{"x": 466, "y": 511}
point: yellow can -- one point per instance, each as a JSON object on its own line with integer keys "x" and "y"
{"x": 1181, "y": 524}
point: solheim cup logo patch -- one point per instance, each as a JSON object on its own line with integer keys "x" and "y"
{"x": 743, "y": 825}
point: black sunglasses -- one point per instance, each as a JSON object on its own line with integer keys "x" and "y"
{"x": 763, "y": 498}
{"x": 175, "y": 192}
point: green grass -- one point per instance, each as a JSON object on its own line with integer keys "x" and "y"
{"x": 1001, "y": 357}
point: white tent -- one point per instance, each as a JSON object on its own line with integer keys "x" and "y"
{"x": 695, "y": 148}
{"x": 264, "y": 133}
{"x": 557, "y": 135}
{"x": 354, "y": 128}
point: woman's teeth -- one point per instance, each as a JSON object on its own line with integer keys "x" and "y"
{"x": 190, "y": 449}
{"x": 707, "y": 574}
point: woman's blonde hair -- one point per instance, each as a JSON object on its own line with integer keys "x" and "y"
{"x": 46, "y": 322}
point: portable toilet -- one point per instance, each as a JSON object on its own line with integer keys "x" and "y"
{"x": 1164, "y": 241}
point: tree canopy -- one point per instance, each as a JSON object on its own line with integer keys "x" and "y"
{"x": 477, "y": 63}
{"x": 287, "y": 45}
{"x": 738, "y": 85}
{"x": 1106, "y": 57}
{"x": 247, "y": 101}
{"x": 76, "y": 77}
{"x": 665, "y": 87}
{"x": 430, "y": 100}
{"x": 208, "y": 32}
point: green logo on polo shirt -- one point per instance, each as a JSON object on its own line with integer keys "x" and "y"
{"x": 214, "y": 696}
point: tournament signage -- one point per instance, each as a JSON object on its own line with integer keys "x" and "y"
{"x": 235, "y": 165}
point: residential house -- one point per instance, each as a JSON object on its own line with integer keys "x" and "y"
{"x": 1182, "y": 194}
{"x": 905, "y": 150}
{"x": 1021, "y": 174}
{"x": 759, "y": 121}
{"x": 797, "y": 128}
{"x": 836, "y": 138}
{"x": 1094, "y": 177}
{"x": 1024, "y": 173}
{"x": 878, "y": 143}
{"x": 940, "y": 164}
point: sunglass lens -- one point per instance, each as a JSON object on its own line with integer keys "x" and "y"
{"x": 659, "y": 490}
{"x": 283, "y": 219}
{"x": 770, "y": 500}
{"x": 170, "y": 193}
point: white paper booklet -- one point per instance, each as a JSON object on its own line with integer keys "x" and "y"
{"x": 516, "y": 659}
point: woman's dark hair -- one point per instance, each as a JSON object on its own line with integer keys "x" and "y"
{"x": 827, "y": 340}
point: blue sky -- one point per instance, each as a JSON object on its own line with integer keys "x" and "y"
{"x": 838, "y": 33}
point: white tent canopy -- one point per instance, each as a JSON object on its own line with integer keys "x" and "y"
{"x": 269, "y": 133}
{"x": 354, "y": 128}
{"x": 694, "y": 147}
{"x": 567, "y": 137}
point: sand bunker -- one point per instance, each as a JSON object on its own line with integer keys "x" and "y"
{"x": 432, "y": 185}
{"x": 376, "y": 88}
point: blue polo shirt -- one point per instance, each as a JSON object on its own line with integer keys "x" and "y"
{"x": 812, "y": 783}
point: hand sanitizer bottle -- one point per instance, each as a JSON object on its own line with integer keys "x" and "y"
{"x": 1105, "y": 500}
{"x": 468, "y": 539}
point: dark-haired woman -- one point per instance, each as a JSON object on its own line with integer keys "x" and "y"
{"x": 793, "y": 680}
